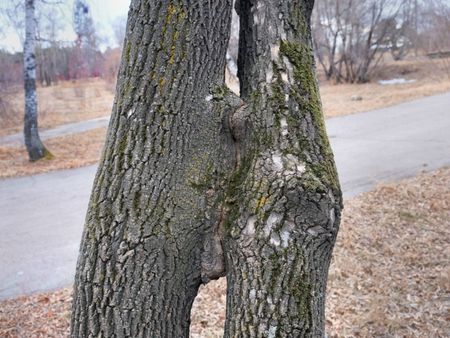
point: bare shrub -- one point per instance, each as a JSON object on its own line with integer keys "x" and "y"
{"x": 351, "y": 36}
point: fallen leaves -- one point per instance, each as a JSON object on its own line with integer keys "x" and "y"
{"x": 390, "y": 274}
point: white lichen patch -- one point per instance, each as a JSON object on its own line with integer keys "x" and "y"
{"x": 272, "y": 332}
{"x": 293, "y": 165}
{"x": 259, "y": 18}
{"x": 269, "y": 75}
{"x": 279, "y": 165}
{"x": 249, "y": 229}
{"x": 277, "y": 162}
{"x": 286, "y": 232}
{"x": 316, "y": 230}
{"x": 130, "y": 112}
{"x": 289, "y": 70}
{"x": 286, "y": 164}
{"x": 275, "y": 51}
{"x": 284, "y": 126}
{"x": 271, "y": 222}
{"x": 332, "y": 217}
{"x": 275, "y": 239}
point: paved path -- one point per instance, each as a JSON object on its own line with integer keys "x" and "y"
{"x": 41, "y": 216}
{"x": 65, "y": 129}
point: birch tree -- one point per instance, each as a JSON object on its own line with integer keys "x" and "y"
{"x": 196, "y": 183}
{"x": 35, "y": 147}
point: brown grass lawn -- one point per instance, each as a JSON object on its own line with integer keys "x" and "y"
{"x": 70, "y": 151}
{"x": 81, "y": 100}
{"x": 69, "y": 101}
{"x": 433, "y": 77}
{"x": 389, "y": 276}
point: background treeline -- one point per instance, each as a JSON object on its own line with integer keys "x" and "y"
{"x": 352, "y": 36}
{"x": 352, "y": 39}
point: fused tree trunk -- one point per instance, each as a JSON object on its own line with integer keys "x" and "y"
{"x": 33, "y": 143}
{"x": 196, "y": 183}
{"x": 285, "y": 210}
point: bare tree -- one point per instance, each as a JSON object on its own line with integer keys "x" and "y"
{"x": 196, "y": 183}
{"x": 85, "y": 59}
{"x": 350, "y": 36}
{"x": 12, "y": 14}
{"x": 35, "y": 147}
{"x": 435, "y": 26}
{"x": 48, "y": 51}
{"x": 119, "y": 28}
{"x": 329, "y": 33}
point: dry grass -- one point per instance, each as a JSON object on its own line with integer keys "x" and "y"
{"x": 389, "y": 276}
{"x": 70, "y": 151}
{"x": 433, "y": 77}
{"x": 69, "y": 101}
{"x": 337, "y": 98}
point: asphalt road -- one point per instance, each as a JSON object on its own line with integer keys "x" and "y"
{"x": 41, "y": 216}
{"x": 66, "y": 129}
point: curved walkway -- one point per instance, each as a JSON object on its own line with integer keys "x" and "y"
{"x": 65, "y": 129}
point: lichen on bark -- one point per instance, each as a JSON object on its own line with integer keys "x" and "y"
{"x": 196, "y": 183}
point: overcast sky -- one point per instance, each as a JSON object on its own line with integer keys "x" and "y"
{"x": 103, "y": 13}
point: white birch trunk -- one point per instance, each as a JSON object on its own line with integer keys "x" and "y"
{"x": 35, "y": 148}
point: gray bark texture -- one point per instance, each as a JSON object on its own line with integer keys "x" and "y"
{"x": 196, "y": 183}
{"x": 33, "y": 143}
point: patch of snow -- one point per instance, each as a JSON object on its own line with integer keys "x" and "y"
{"x": 395, "y": 81}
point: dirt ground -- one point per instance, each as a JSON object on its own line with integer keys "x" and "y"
{"x": 389, "y": 276}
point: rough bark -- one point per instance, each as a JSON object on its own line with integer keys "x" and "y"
{"x": 196, "y": 183}
{"x": 152, "y": 229}
{"x": 35, "y": 148}
{"x": 285, "y": 209}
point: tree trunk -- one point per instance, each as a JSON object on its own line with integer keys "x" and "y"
{"x": 285, "y": 210}
{"x": 152, "y": 224}
{"x": 195, "y": 183}
{"x": 35, "y": 148}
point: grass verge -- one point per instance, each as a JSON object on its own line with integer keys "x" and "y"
{"x": 71, "y": 151}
